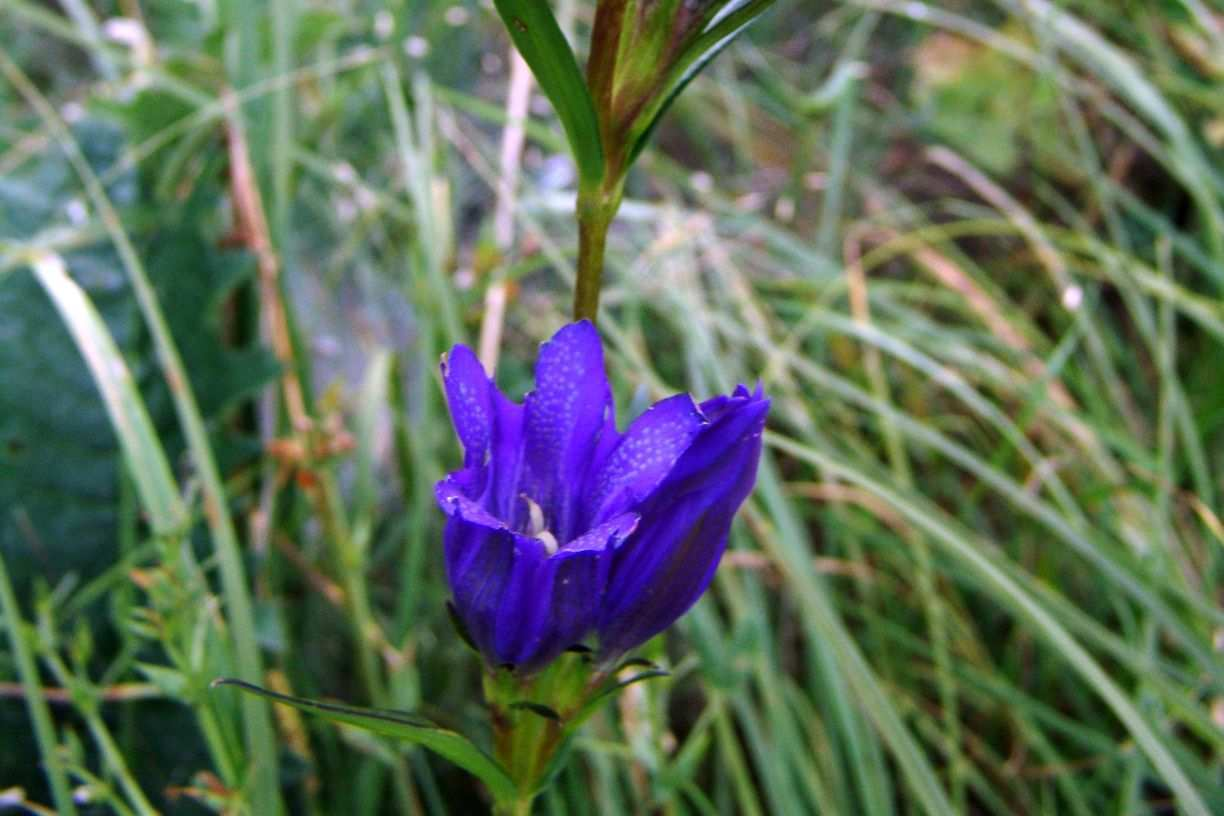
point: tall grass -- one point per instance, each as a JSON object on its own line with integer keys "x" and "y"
{"x": 973, "y": 251}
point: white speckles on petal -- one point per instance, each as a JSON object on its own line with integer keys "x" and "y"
{"x": 469, "y": 394}
{"x": 650, "y": 448}
{"x": 563, "y": 419}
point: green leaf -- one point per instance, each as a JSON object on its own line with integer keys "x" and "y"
{"x": 400, "y": 725}
{"x": 539, "y": 709}
{"x": 124, "y": 404}
{"x": 696, "y": 57}
{"x": 536, "y": 35}
{"x": 59, "y": 458}
{"x": 610, "y": 687}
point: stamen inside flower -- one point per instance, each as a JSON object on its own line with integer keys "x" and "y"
{"x": 537, "y": 527}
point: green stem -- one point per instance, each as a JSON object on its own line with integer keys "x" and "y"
{"x": 532, "y": 717}
{"x": 596, "y": 209}
{"x": 40, "y": 715}
{"x": 86, "y": 704}
{"x": 592, "y": 240}
{"x": 518, "y": 807}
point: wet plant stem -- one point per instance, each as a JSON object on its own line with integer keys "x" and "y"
{"x": 525, "y": 744}
{"x": 597, "y": 207}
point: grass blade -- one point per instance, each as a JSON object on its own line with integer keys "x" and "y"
{"x": 975, "y": 557}
{"x": 142, "y": 450}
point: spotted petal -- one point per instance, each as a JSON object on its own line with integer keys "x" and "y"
{"x": 489, "y": 426}
{"x": 469, "y": 394}
{"x": 661, "y": 571}
{"x": 643, "y": 457}
{"x": 563, "y": 419}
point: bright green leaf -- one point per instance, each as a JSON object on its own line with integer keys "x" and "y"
{"x": 538, "y": 38}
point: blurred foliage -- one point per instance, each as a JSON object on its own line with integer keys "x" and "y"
{"x": 974, "y": 249}
{"x": 980, "y": 106}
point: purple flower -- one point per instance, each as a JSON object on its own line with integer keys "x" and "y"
{"x": 560, "y": 526}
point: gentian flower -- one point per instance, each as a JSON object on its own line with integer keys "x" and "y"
{"x": 561, "y": 527}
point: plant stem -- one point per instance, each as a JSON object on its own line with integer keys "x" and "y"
{"x": 596, "y": 209}
{"x": 36, "y": 703}
{"x": 592, "y": 239}
{"x": 519, "y": 807}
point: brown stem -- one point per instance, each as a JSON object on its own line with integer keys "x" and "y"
{"x": 253, "y": 225}
{"x": 605, "y": 52}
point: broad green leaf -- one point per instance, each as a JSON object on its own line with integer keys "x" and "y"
{"x": 59, "y": 458}
{"x": 59, "y": 461}
{"x": 400, "y": 725}
{"x": 62, "y": 505}
{"x": 697, "y": 56}
{"x": 538, "y": 38}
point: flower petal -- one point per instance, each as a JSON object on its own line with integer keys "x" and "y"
{"x": 478, "y": 563}
{"x": 489, "y": 426}
{"x": 552, "y": 604}
{"x": 607, "y": 535}
{"x": 645, "y": 455}
{"x": 735, "y": 420}
{"x": 668, "y": 563}
{"x": 455, "y": 499}
{"x": 521, "y": 605}
{"x": 469, "y": 393}
{"x": 485, "y": 561}
{"x": 563, "y": 419}
{"x": 506, "y": 457}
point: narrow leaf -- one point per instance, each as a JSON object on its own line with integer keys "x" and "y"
{"x": 539, "y": 709}
{"x": 609, "y": 688}
{"x": 726, "y": 27}
{"x": 640, "y": 662}
{"x": 536, "y": 35}
{"x": 400, "y": 725}
{"x": 145, "y": 457}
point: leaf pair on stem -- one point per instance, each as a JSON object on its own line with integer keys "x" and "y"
{"x": 642, "y": 55}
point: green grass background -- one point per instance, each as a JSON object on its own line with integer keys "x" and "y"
{"x": 974, "y": 250}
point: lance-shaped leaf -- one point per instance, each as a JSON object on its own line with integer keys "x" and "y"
{"x": 611, "y": 685}
{"x": 129, "y": 417}
{"x": 400, "y": 725}
{"x": 725, "y": 26}
{"x": 536, "y": 35}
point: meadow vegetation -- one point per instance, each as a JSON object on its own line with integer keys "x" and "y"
{"x": 974, "y": 250}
